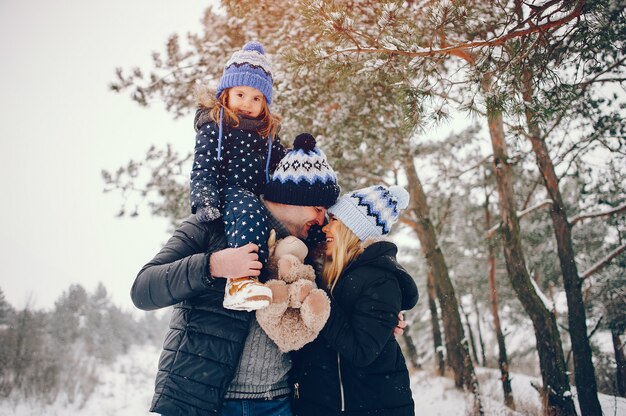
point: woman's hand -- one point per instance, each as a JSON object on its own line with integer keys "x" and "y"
{"x": 399, "y": 329}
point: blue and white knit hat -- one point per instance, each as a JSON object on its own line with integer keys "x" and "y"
{"x": 303, "y": 176}
{"x": 249, "y": 67}
{"x": 371, "y": 211}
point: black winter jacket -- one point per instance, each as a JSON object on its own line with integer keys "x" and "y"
{"x": 242, "y": 163}
{"x": 205, "y": 341}
{"x": 356, "y": 365}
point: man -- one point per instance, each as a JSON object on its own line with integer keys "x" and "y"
{"x": 216, "y": 360}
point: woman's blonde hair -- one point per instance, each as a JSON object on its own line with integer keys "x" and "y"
{"x": 346, "y": 248}
{"x": 206, "y": 99}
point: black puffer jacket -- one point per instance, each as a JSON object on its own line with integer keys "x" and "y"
{"x": 356, "y": 365}
{"x": 205, "y": 341}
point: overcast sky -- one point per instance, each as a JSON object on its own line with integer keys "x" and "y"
{"x": 60, "y": 125}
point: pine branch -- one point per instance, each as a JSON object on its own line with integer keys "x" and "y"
{"x": 585, "y": 84}
{"x": 520, "y": 214}
{"x": 604, "y": 262}
{"x": 581, "y": 217}
{"x": 462, "y": 49}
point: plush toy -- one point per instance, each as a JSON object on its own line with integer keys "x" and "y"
{"x": 299, "y": 309}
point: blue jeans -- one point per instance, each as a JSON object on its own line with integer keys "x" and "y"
{"x": 274, "y": 407}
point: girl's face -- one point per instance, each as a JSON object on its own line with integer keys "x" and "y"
{"x": 330, "y": 229}
{"x": 246, "y": 101}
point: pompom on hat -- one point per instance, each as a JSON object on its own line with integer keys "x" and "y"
{"x": 370, "y": 212}
{"x": 303, "y": 176}
{"x": 249, "y": 67}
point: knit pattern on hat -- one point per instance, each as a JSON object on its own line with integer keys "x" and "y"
{"x": 370, "y": 212}
{"x": 303, "y": 177}
{"x": 249, "y": 67}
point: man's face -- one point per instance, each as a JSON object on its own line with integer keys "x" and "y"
{"x": 299, "y": 220}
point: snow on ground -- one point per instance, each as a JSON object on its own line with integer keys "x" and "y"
{"x": 527, "y": 399}
{"x": 126, "y": 386}
{"x": 436, "y": 396}
{"x": 125, "y": 389}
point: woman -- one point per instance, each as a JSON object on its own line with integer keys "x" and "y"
{"x": 355, "y": 366}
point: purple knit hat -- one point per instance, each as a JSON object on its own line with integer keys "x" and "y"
{"x": 249, "y": 67}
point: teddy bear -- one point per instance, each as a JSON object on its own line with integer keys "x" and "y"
{"x": 299, "y": 309}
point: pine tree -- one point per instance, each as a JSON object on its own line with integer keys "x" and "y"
{"x": 6, "y": 310}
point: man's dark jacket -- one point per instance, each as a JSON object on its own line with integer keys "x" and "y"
{"x": 204, "y": 343}
{"x": 355, "y": 364}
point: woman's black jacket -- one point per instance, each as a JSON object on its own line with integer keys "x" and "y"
{"x": 204, "y": 343}
{"x": 356, "y": 365}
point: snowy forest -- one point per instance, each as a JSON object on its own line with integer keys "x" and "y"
{"x": 504, "y": 120}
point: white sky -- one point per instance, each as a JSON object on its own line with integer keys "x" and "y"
{"x": 60, "y": 125}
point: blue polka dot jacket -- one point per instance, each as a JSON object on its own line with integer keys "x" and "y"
{"x": 242, "y": 159}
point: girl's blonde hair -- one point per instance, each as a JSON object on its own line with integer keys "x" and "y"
{"x": 346, "y": 248}
{"x": 206, "y": 99}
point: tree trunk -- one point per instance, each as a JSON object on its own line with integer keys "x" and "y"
{"x": 503, "y": 361}
{"x": 480, "y": 335}
{"x": 556, "y": 388}
{"x": 411, "y": 351}
{"x": 585, "y": 377}
{"x": 456, "y": 343}
{"x": 470, "y": 334}
{"x": 620, "y": 375}
{"x": 434, "y": 320}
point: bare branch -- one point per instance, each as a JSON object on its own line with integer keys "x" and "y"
{"x": 371, "y": 177}
{"x": 411, "y": 223}
{"x": 604, "y": 262}
{"x": 530, "y": 195}
{"x": 442, "y": 219}
{"x": 595, "y": 327}
{"x": 477, "y": 165}
{"x": 520, "y": 214}
{"x": 581, "y": 217}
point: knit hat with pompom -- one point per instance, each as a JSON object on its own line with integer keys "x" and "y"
{"x": 249, "y": 67}
{"x": 303, "y": 177}
{"x": 371, "y": 211}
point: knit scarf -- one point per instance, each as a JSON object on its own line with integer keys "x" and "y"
{"x": 245, "y": 123}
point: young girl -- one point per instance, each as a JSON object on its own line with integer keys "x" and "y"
{"x": 355, "y": 366}
{"x": 235, "y": 152}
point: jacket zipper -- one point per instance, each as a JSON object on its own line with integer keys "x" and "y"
{"x": 343, "y": 401}
{"x": 296, "y": 391}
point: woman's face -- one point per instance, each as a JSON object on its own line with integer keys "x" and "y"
{"x": 330, "y": 229}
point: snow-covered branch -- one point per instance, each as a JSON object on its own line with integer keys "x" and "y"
{"x": 462, "y": 48}
{"x": 547, "y": 302}
{"x": 581, "y": 217}
{"x": 520, "y": 214}
{"x": 604, "y": 262}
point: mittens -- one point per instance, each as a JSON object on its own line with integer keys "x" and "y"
{"x": 207, "y": 214}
